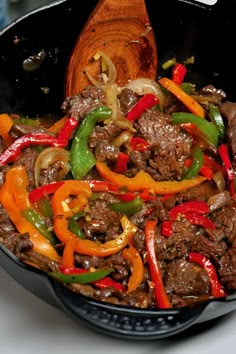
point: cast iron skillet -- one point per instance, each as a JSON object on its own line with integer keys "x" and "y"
{"x": 183, "y": 29}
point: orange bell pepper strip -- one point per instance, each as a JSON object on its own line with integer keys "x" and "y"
{"x": 186, "y": 99}
{"x": 91, "y": 248}
{"x": 58, "y": 125}
{"x": 14, "y": 199}
{"x": 134, "y": 257}
{"x": 143, "y": 181}
{"x": 64, "y": 206}
{"x": 63, "y": 209}
{"x": 68, "y": 253}
{"x": 5, "y": 125}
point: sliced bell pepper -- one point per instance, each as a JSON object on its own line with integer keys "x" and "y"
{"x": 83, "y": 278}
{"x": 178, "y": 73}
{"x": 224, "y": 154}
{"x": 144, "y": 103}
{"x": 35, "y": 139}
{"x": 91, "y": 248}
{"x": 74, "y": 226}
{"x": 143, "y": 181}
{"x": 136, "y": 278}
{"x": 217, "y": 119}
{"x": 36, "y": 194}
{"x": 82, "y": 159}
{"x": 205, "y": 170}
{"x": 68, "y": 253}
{"x": 103, "y": 283}
{"x": 61, "y": 206}
{"x": 192, "y": 105}
{"x": 139, "y": 144}
{"x": 216, "y": 288}
{"x": 128, "y": 208}
{"x": 14, "y": 199}
{"x": 154, "y": 267}
{"x": 207, "y": 129}
{"x": 5, "y": 125}
{"x": 197, "y": 207}
{"x": 38, "y": 222}
{"x": 121, "y": 163}
{"x": 200, "y": 220}
{"x": 197, "y": 161}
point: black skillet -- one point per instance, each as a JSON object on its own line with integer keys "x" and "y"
{"x": 183, "y": 29}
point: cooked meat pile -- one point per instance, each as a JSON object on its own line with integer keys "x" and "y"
{"x": 169, "y": 147}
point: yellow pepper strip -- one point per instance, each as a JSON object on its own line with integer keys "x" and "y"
{"x": 91, "y": 248}
{"x": 143, "y": 181}
{"x": 5, "y": 125}
{"x": 14, "y": 199}
{"x": 64, "y": 206}
{"x": 136, "y": 278}
{"x": 57, "y": 126}
{"x": 187, "y": 100}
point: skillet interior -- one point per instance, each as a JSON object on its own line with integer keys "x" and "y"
{"x": 182, "y": 29}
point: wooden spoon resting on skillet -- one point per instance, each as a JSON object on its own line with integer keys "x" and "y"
{"x": 122, "y": 30}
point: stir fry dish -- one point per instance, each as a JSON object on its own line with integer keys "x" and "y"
{"x": 128, "y": 198}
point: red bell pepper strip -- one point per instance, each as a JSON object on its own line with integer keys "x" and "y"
{"x": 200, "y": 220}
{"x": 178, "y": 73}
{"x": 146, "y": 102}
{"x": 38, "y": 193}
{"x": 101, "y": 186}
{"x": 166, "y": 228}
{"x": 14, "y": 150}
{"x": 101, "y": 284}
{"x": 215, "y": 166}
{"x": 121, "y": 163}
{"x": 139, "y": 144}
{"x": 198, "y": 207}
{"x": 216, "y": 288}
{"x": 154, "y": 267}
{"x": 224, "y": 154}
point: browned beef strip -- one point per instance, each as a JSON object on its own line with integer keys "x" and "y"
{"x": 127, "y": 99}
{"x": 79, "y": 106}
{"x": 104, "y": 151}
{"x": 186, "y": 279}
{"x": 104, "y": 222}
{"x": 209, "y": 248}
{"x": 227, "y": 270}
{"x": 170, "y": 146}
{"x": 225, "y": 219}
{"x": 228, "y": 110}
{"x": 27, "y": 158}
{"x": 51, "y": 174}
{"x": 18, "y": 130}
{"x": 6, "y": 225}
{"x": 41, "y": 261}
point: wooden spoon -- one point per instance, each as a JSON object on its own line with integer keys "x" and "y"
{"x": 122, "y": 30}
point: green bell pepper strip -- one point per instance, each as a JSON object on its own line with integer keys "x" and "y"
{"x": 45, "y": 207}
{"x": 73, "y": 225}
{"x": 81, "y": 158}
{"x": 196, "y": 165}
{"x": 207, "y": 129}
{"x": 38, "y": 222}
{"x": 83, "y": 278}
{"x": 217, "y": 120}
{"x": 128, "y": 208}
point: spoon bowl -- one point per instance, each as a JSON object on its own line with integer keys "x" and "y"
{"x": 122, "y": 30}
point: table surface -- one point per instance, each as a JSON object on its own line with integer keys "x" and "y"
{"x": 28, "y": 325}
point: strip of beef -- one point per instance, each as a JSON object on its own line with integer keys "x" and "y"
{"x": 51, "y": 174}
{"x": 227, "y": 270}
{"x": 186, "y": 279}
{"x": 225, "y": 219}
{"x": 18, "y": 130}
{"x": 79, "y": 106}
{"x": 27, "y": 158}
{"x": 169, "y": 145}
{"x": 228, "y": 110}
{"x": 127, "y": 99}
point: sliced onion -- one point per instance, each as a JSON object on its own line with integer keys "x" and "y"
{"x": 112, "y": 74}
{"x": 219, "y": 180}
{"x": 142, "y": 86}
{"x": 123, "y": 138}
{"x": 111, "y": 91}
{"x": 49, "y": 156}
